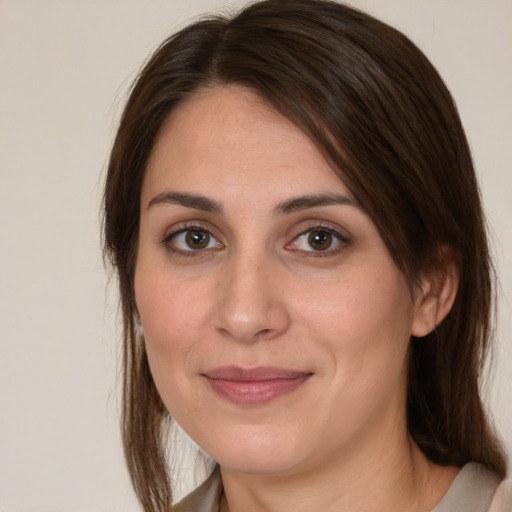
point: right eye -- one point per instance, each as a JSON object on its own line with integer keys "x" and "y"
{"x": 193, "y": 239}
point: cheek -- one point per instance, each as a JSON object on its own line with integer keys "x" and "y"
{"x": 364, "y": 328}
{"x": 172, "y": 314}
{"x": 169, "y": 320}
{"x": 359, "y": 308}
{"x": 170, "y": 309}
{"x": 364, "y": 323}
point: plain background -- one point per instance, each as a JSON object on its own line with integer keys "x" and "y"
{"x": 65, "y": 67}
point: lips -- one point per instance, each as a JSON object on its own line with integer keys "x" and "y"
{"x": 254, "y": 386}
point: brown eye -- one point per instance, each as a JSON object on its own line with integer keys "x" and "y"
{"x": 197, "y": 239}
{"x": 320, "y": 240}
{"x": 191, "y": 240}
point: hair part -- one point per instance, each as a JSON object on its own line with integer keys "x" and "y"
{"x": 380, "y": 114}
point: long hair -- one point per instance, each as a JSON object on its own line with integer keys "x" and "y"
{"x": 378, "y": 111}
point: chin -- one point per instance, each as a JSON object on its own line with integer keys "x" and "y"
{"x": 258, "y": 450}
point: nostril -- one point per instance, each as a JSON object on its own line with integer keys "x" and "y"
{"x": 264, "y": 332}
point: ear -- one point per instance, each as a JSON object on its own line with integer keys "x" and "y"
{"x": 436, "y": 294}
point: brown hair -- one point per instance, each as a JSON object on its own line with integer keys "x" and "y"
{"x": 379, "y": 112}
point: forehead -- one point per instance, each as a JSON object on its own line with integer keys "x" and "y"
{"x": 228, "y": 140}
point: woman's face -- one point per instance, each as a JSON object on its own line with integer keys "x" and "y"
{"x": 276, "y": 323}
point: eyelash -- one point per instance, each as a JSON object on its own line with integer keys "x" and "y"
{"x": 167, "y": 241}
{"x": 321, "y": 228}
{"x": 317, "y": 226}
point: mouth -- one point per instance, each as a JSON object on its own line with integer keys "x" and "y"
{"x": 254, "y": 386}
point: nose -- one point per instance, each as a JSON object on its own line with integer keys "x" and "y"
{"x": 250, "y": 303}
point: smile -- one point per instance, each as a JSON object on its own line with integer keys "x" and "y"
{"x": 254, "y": 386}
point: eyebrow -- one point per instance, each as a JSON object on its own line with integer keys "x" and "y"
{"x": 194, "y": 201}
{"x": 296, "y": 204}
{"x": 314, "y": 201}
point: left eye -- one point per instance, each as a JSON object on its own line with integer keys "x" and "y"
{"x": 318, "y": 240}
{"x": 193, "y": 240}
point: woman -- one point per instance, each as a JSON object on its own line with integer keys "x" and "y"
{"x": 306, "y": 287}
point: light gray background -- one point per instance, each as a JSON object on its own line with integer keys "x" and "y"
{"x": 65, "y": 67}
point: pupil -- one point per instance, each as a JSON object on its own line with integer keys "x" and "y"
{"x": 320, "y": 240}
{"x": 197, "y": 239}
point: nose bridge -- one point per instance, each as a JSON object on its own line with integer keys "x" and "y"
{"x": 249, "y": 305}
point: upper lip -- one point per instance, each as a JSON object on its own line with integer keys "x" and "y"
{"x": 259, "y": 373}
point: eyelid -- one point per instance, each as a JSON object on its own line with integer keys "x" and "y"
{"x": 316, "y": 225}
{"x": 299, "y": 230}
{"x": 183, "y": 227}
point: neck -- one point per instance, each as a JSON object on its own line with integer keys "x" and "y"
{"x": 387, "y": 475}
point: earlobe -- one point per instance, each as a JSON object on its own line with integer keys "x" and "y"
{"x": 436, "y": 295}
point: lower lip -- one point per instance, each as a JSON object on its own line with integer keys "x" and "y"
{"x": 255, "y": 392}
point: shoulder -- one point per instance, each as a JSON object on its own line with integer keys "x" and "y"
{"x": 206, "y": 498}
{"x": 473, "y": 490}
{"x": 502, "y": 501}
{"x": 475, "y": 486}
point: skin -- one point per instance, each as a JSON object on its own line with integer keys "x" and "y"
{"x": 260, "y": 294}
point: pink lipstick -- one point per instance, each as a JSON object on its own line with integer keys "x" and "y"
{"x": 254, "y": 386}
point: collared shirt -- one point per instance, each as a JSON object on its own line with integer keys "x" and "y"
{"x": 473, "y": 490}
